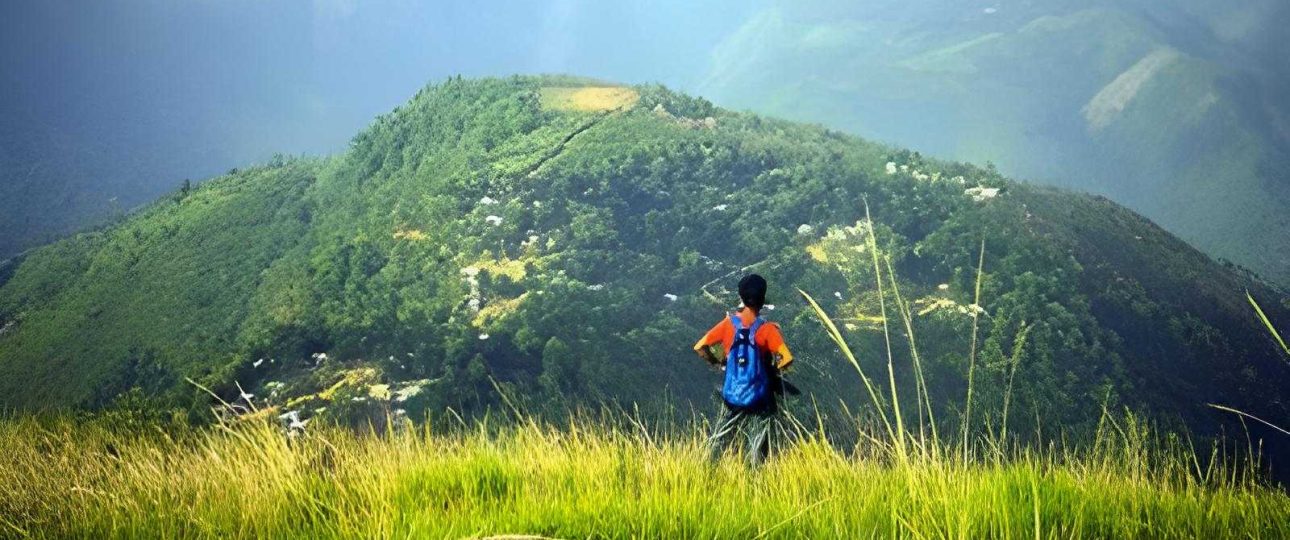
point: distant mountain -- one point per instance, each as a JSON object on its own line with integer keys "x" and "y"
{"x": 566, "y": 241}
{"x": 1177, "y": 109}
{"x": 42, "y": 195}
{"x": 55, "y": 181}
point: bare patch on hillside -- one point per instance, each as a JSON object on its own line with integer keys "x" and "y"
{"x": 1114, "y": 97}
{"x": 589, "y": 98}
{"x": 410, "y": 234}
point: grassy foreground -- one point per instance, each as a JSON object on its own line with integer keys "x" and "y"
{"x": 615, "y": 477}
{"x": 67, "y": 479}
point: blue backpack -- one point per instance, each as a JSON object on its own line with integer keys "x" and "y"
{"x": 747, "y": 378}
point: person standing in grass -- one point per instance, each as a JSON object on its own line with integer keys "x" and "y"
{"x": 755, "y": 355}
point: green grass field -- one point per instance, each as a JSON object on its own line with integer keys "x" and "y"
{"x": 65, "y": 478}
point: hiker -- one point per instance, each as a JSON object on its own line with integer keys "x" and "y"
{"x": 755, "y": 357}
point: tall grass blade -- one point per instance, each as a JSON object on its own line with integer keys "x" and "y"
{"x": 1250, "y": 416}
{"x": 886, "y": 335}
{"x": 923, "y": 397}
{"x": 1263, "y": 317}
{"x": 1018, "y": 347}
{"x": 976, "y": 307}
{"x": 836, "y": 336}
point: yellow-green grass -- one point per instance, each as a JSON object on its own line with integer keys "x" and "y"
{"x": 64, "y": 478}
{"x": 588, "y": 98}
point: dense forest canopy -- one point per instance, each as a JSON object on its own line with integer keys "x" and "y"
{"x": 565, "y": 240}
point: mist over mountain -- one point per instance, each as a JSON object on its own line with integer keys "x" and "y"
{"x": 1177, "y": 109}
{"x": 105, "y": 105}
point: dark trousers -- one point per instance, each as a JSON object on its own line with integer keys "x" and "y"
{"x": 756, "y": 423}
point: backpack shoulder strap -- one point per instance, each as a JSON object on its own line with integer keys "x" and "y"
{"x": 754, "y": 328}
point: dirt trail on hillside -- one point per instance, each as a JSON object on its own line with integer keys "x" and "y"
{"x": 555, "y": 152}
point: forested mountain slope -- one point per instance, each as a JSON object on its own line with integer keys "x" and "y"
{"x": 566, "y": 241}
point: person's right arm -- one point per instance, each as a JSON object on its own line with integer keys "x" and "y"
{"x": 704, "y": 346}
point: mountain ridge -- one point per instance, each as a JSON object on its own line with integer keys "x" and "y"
{"x": 488, "y": 236}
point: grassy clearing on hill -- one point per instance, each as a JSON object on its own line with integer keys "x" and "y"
{"x": 68, "y": 479}
{"x": 588, "y": 98}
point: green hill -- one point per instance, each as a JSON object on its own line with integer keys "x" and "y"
{"x": 566, "y": 240}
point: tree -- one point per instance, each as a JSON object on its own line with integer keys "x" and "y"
{"x": 558, "y": 368}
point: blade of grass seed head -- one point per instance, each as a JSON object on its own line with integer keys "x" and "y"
{"x": 976, "y": 305}
{"x": 832, "y": 331}
{"x": 634, "y": 418}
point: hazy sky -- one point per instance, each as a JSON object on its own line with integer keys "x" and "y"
{"x": 106, "y": 104}
{"x": 165, "y": 89}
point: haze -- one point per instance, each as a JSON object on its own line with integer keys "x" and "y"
{"x": 1176, "y": 109}
{"x": 123, "y": 100}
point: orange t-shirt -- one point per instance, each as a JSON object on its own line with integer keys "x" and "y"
{"x": 768, "y": 337}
